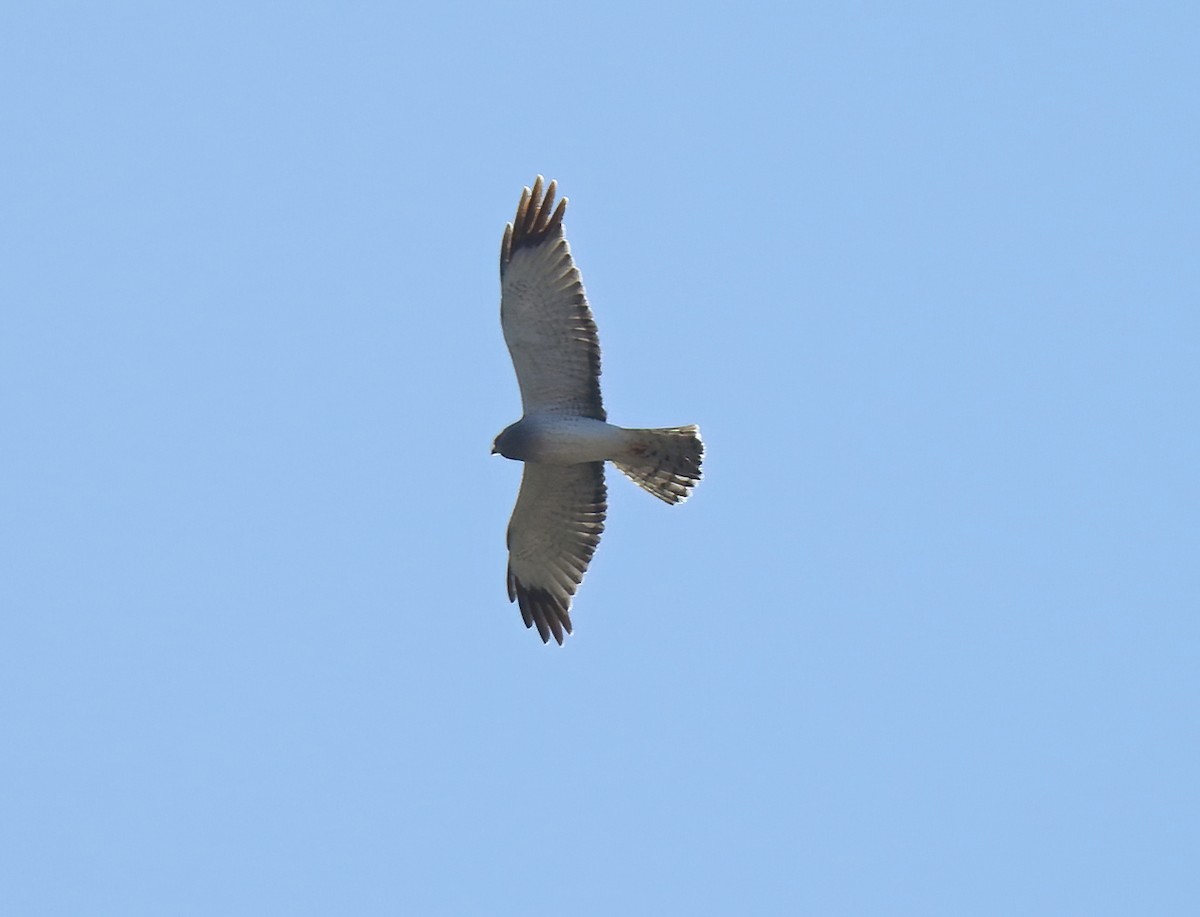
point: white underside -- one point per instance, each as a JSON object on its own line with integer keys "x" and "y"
{"x": 558, "y": 439}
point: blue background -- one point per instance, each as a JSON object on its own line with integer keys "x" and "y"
{"x": 925, "y": 640}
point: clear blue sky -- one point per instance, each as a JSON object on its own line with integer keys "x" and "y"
{"x": 925, "y": 641}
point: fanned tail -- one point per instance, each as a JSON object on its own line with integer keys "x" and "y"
{"x": 666, "y": 461}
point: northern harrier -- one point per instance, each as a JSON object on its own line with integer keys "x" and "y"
{"x": 563, "y": 437}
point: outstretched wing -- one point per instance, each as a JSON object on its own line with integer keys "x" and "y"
{"x": 552, "y": 536}
{"x": 547, "y": 323}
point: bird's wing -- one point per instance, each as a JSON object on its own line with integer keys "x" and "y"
{"x": 553, "y": 533}
{"x": 547, "y": 323}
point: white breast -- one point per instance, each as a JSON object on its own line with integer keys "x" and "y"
{"x": 567, "y": 440}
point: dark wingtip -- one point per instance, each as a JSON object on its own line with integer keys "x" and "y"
{"x": 537, "y": 219}
{"x": 550, "y": 615}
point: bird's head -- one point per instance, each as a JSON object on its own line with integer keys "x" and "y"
{"x": 511, "y": 441}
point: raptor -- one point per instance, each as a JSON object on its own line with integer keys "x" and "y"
{"x": 564, "y": 437}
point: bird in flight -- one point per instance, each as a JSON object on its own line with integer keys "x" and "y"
{"x": 564, "y": 438}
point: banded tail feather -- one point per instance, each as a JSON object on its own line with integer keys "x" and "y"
{"x": 665, "y": 461}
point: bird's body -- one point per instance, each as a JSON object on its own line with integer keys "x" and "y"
{"x": 564, "y": 438}
{"x": 561, "y": 439}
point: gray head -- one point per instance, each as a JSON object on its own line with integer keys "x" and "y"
{"x": 513, "y": 442}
